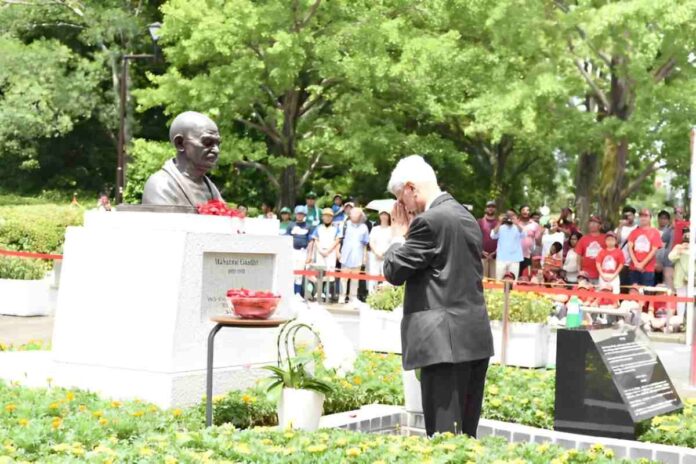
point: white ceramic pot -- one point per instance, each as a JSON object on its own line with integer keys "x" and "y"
{"x": 300, "y": 409}
{"x": 528, "y": 344}
{"x": 412, "y": 392}
{"x": 380, "y": 330}
{"x": 24, "y": 297}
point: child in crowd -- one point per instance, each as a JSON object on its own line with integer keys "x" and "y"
{"x": 584, "y": 283}
{"x": 633, "y": 307}
{"x": 325, "y": 240}
{"x": 553, "y": 261}
{"x": 661, "y": 315}
{"x": 609, "y": 263}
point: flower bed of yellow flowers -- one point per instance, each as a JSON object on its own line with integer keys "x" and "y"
{"x": 523, "y": 396}
{"x": 55, "y": 425}
{"x": 524, "y": 306}
{"x": 63, "y": 423}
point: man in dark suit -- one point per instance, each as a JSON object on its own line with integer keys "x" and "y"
{"x": 445, "y": 332}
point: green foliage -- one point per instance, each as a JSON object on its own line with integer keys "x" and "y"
{"x": 376, "y": 379}
{"x": 295, "y": 375}
{"x": 57, "y": 425}
{"x": 525, "y": 396}
{"x": 59, "y": 72}
{"x": 36, "y": 424}
{"x": 147, "y": 157}
{"x": 37, "y": 228}
{"x": 31, "y": 345}
{"x": 674, "y": 429}
{"x": 524, "y": 306}
{"x": 21, "y": 268}
{"x": 386, "y": 298}
{"x": 253, "y": 407}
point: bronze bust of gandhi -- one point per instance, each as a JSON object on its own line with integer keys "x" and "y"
{"x": 182, "y": 181}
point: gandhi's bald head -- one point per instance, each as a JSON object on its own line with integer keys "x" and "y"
{"x": 189, "y": 121}
{"x": 197, "y": 141}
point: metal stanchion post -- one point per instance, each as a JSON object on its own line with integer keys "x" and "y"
{"x": 320, "y": 285}
{"x": 506, "y": 323}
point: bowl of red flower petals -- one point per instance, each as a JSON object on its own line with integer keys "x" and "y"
{"x": 249, "y": 304}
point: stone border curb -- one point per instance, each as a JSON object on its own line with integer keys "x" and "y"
{"x": 396, "y": 420}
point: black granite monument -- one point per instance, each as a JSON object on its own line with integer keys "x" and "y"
{"x": 609, "y": 382}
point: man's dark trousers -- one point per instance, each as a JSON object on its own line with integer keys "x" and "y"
{"x": 452, "y": 396}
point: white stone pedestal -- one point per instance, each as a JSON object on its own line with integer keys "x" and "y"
{"x": 137, "y": 290}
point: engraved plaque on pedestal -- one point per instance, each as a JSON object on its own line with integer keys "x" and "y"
{"x": 223, "y": 271}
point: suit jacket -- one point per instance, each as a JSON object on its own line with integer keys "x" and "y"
{"x": 445, "y": 318}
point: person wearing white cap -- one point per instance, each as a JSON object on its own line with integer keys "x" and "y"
{"x": 324, "y": 245}
{"x": 380, "y": 239}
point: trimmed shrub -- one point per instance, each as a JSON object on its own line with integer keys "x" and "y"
{"x": 22, "y": 269}
{"x": 34, "y": 228}
{"x": 37, "y": 228}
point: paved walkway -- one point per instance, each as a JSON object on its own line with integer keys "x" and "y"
{"x": 19, "y": 330}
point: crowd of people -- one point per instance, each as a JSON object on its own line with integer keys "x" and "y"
{"x": 636, "y": 257}
{"x": 339, "y": 237}
{"x": 523, "y": 246}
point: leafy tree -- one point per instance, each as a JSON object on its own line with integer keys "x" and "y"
{"x": 60, "y": 63}
{"x": 624, "y": 71}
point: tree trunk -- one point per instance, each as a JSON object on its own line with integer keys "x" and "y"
{"x": 585, "y": 173}
{"x": 288, "y": 187}
{"x": 611, "y": 182}
{"x": 499, "y": 188}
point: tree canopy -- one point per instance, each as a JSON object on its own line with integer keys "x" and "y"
{"x": 513, "y": 101}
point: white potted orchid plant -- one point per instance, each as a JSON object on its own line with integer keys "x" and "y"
{"x": 302, "y": 395}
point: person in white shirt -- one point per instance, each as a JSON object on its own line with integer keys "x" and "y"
{"x": 570, "y": 265}
{"x": 380, "y": 239}
{"x": 552, "y": 234}
{"x": 324, "y": 244}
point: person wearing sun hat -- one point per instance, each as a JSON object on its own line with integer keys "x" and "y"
{"x": 380, "y": 239}
{"x": 589, "y": 247}
{"x": 325, "y": 242}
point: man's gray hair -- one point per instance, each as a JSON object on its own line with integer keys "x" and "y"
{"x": 412, "y": 169}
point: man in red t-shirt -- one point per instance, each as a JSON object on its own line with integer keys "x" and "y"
{"x": 643, "y": 243}
{"x": 588, "y": 249}
{"x": 610, "y": 261}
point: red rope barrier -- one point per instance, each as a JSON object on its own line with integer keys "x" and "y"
{"x": 486, "y": 284}
{"x": 27, "y": 254}
{"x": 498, "y": 285}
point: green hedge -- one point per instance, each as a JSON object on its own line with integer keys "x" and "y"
{"x": 37, "y": 228}
{"x": 34, "y": 228}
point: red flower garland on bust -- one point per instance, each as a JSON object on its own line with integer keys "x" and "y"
{"x": 218, "y": 208}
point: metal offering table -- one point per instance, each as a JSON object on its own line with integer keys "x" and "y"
{"x": 228, "y": 321}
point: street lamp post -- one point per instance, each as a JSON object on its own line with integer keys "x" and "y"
{"x": 123, "y": 98}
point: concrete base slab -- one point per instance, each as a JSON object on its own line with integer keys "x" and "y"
{"x": 39, "y": 369}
